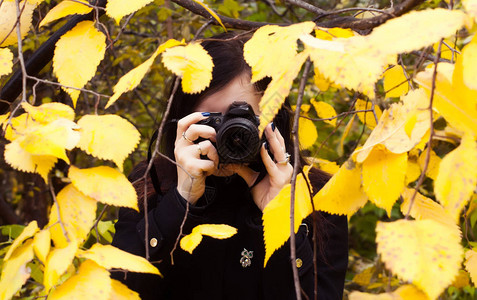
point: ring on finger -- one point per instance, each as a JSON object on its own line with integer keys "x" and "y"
{"x": 186, "y": 138}
{"x": 286, "y": 160}
{"x": 199, "y": 148}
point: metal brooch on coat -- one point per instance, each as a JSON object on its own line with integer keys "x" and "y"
{"x": 246, "y": 259}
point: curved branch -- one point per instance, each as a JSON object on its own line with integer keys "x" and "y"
{"x": 307, "y": 6}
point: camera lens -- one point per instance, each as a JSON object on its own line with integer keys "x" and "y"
{"x": 238, "y": 141}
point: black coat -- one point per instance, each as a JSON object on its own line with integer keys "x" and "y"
{"x": 214, "y": 270}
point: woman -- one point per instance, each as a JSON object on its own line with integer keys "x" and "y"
{"x": 233, "y": 194}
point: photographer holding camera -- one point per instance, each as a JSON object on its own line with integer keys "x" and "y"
{"x": 226, "y": 174}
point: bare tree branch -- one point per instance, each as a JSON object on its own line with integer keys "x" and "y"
{"x": 307, "y": 6}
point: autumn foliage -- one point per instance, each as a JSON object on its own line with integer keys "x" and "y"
{"x": 405, "y": 111}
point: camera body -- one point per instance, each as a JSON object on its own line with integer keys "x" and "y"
{"x": 238, "y": 139}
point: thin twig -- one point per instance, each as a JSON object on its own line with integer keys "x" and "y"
{"x": 431, "y": 132}
{"x": 20, "y": 50}
{"x": 296, "y": 164}
{"x": 66, "y": 86}
{"x": 344, "y": 10}
{"x": 346, "y": 113}
{"x": 97, "y": 221}
{"x": 52, "y": 192}
{"x": 307, "y": 6}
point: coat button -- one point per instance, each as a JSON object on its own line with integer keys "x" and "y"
{"x": 153, "y": 242}
{"x": 299, "y": 263}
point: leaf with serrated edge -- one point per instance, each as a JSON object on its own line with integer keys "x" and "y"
{"x": 457, "y": 177}
{"x": 132, "y": 78}
{"x": 108, "y": 137}
{"x": 41, "y": 244}
{"x": 121, "y": 292}
{"x": 49, "y": 112}
{"x": 14, "y": 271}
{"x": 276, "y": 215}
{"x": 66, "y": 8}
{"x": 6, "y": 61}
{"x": 192, "y": 63}
{"x": 91, "y": 282}
{"x": 217, "y": 231}
{"x": 27, "y": 233}
{"x": 104, "y": 184}
{"x": 81, "y": 49}
{"x": 8, "y": 11}
{"x": 57, "y": 263}
{"x": 191, "y": 241}
{"x": 384, "y": 173}
{"x": 335, "y": 199}
{"x": 110, "y": 257}
{"x": 424, "y": 252}
{"x": 117, "y": 9}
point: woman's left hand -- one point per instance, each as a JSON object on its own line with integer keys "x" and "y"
{"x": 279, "y": 171}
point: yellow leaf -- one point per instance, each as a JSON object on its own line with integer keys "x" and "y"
{"x": 104, "y": 184}
{"x": 260, "y": 51}
{"x": 383, "y": 177}
{"x": 192, "y": 63}
{"x": 78, "y": 213}
{"x": 452, "y": 98}
{"x": 8, "y": 11}
{"x": 49, "y": 112}
{"x": 391, "y": 128}
{"x": 66, "y": 8}
{"x": 328, "y": 166}
{"x": 27, "y": 233}
{"x": 41, "y": 244}
{"x": 132, "y": 78}
{"x": 457, "y": 177}
{"x": 20, "y": 159}
{"x": 469, "y": 58}
{"x": 364, "y": 278}
{"x": 424, "y": 208}
{"x": 307, "y": 133}
{"x": 405, "y": 292}
{"x": 335, "y": 199}
{"x": 345, "y": 134}
{"x": 217, "y": 231}
{"x": 18, "y": 127}
{"x": 57, "y": 263}
{"x": 433, "y": 166}
{"x": 211, "y": 12}
{"x": 340, "y": 32}
{"x": 117, "y": 9}
{"x": 81, "y": 49}
{"x": 276, "y": 215}
{"x": 6, "y": 61}
{"x": 278, "y": 90}
{"x": 91, "y": 282}
{"x": 110, "y": 257}
{"x": 461, "y": 280}
{"x": 121, "y": 292}
{"x": 52, "y": 139}
{"x": 14, "y": 271}
{"x": 424, "y": 252}
{"x": 368, "y": 116}
{"x": 413, "y": 171}
{"x": 324, "y": 111}
{"x": 108, "y": 137}
{"x": 471, "y": 7}
{"x": 395, "y": 82}
{"x": 471, "y": 264}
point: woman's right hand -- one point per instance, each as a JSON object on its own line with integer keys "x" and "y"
{"x": 191, "y": 169}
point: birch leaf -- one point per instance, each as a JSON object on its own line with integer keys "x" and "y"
{"x": 24, "y": 161}
{"x": 117, "y": 9}
{"x": 395, "y": 82}
{"x": 424, "y": 208}
{"x": 457, "y": 177}
{"x": 324, "y": 111}
{"x": 14, "y": 271}
{"x": 368, "y": 117}
{"x": 57, "y": 263}
{"x": 110, "y": 257}
{"x": 132, "y": 78}
{"x": 424, "y": 252}
{"x": 471, "y": 264}
{"x": 91, "y": 282}
{"x": 307, "y": 133}
{"x": 345, "y": 134}
{"x": 104, "y": 184}
{"x": 404, "y": 292}
{"x": 328, "y": 166}
{"x": 81, "y": 49}
{"x": 211, "y": 12}
{"x": 19, "y": 126}
{"x": 217, "y": 231}
{"x": 335, "y": 199}
{"x": 260, "y": 51}
{"x": 121, "y": 292}
{"x": 49, "y": 112}
{"x": 6, "y": 61}
{"x": 383, "y": 177}
{"x": 66, "y": 8}
{"x": 27, "y": 233}
{"x": 41, "y": 244}
{"x": 433, "y": 165}
{"x": 8, "y": 11}
{"x": 78, "y": 213}
{"x": 276, "y": 215}
{"x": 192, "y": 63}
{"x": 108, "y": 137}
{"x": 469, "y": 58}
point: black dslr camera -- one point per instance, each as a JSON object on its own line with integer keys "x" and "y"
{"x": 237, "y": 139}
